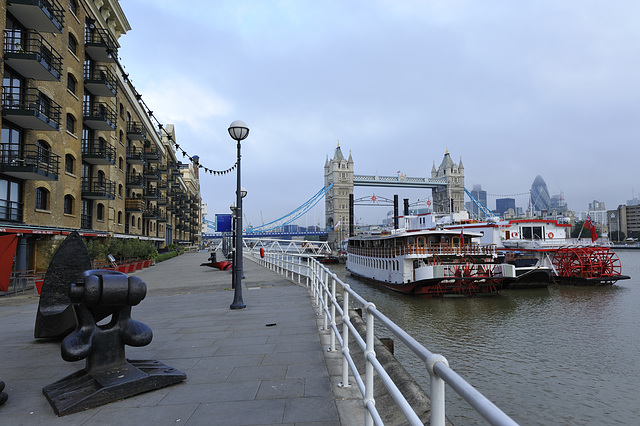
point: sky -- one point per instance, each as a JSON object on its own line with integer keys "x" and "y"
{"x": 514, "y": 89}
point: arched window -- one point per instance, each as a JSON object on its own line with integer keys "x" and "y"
{"x": 73, "y": 44}
{"x": 139, "y": 223}
{"x": 120, "y": 163}
{"x": 119, "y": 217}
{"x": 100, "y": 211}
{"x": 69, "y": 163}
{"x": 133, "y": 221}
{"x": 101, "y": 179}
{"x": 122, "y": 111}
{"x": 72, "y": 83}
{"x": 120, "y": 190}
{"x": 42, "y": 198}
{"x": 44, "y": 149}
{"x": 68, "y": 204}
{"x": 71, "y": 124}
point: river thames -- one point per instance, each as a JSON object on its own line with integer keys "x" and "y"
{"x": 560, "y": 355}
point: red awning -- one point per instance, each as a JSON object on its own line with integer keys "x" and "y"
{"x": 8, "y": 245}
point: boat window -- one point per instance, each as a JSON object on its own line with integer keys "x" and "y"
{"x": 421, "y": 241}
{"x": 411, "y": 241}
{"x": 537, "y": 233}
{"x": 527, "y": 232}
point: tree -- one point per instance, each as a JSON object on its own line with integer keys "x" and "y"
{"x": 617, "y": 236}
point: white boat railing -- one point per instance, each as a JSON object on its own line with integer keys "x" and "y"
{"x": 323, "y": 285}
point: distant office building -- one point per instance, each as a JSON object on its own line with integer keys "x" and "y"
{"x": 597, "y": 205}
{"x": 558, "y": 204}
{"x": 626, "y": 219}
{"x": 540, "y": 199}
{"x": 481, "y": 196}
{"x": 633, "y": 202}
{"x": 504, "y": 204}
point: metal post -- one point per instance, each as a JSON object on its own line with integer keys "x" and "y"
{"x": 332, "y": 339}
{"x": 369, "y": 351}
{"x": 345, "y": 338}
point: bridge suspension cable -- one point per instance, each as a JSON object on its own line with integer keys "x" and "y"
{"x": 292, "y": 216}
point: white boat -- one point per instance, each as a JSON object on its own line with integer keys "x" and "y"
{"x": 430, "y": 262}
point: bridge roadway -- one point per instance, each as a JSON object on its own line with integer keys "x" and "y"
{"x": 266, "y": 364}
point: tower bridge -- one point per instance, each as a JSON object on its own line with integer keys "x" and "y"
{"x": 446, "y": 184}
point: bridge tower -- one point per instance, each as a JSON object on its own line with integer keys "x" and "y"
{"x": 449, "y": 199}
{"x": 338, "y": 171}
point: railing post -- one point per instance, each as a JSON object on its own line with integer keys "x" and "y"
{"x": 332, "y": 346}
{"x": 325, "y": 298}
{"x": 318, "y": 283}
{"x": 437, "y": 417}
{"x": 369, "y": 352}
{"x": 345, "y": 337}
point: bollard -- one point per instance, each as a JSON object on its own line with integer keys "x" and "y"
{"x": 108, "y": 376}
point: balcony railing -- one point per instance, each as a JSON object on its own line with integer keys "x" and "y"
{"x": 28, "y": 162}
{"x": 136, "y": 131}
{"x": 86, "y": 221}
{"x": 100, "y": 81}
{"x": 134, "y": 205}
{"x": 99, "y": 116}
{"x": 32, "y": 56}
{"x": 151, "y": 174}
{"x": 30, "y": 109}
{"x": 135, "y": 155}
{"x": 153, "y": 154}
{"x": 98, "y": 151}
{"x": 10, "y": 211}
{"x": 99, "y": 45}
{"x": 98, "y": 189}
{"x": 135, "y": 180}
{"x": 46, "y": 16}
{"x": 152, "y": 193}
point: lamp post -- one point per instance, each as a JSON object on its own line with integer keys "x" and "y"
{"x": 238, "y": 131}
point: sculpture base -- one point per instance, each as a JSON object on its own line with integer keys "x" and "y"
{"x": 80, "y": 390}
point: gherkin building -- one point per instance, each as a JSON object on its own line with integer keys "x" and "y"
{"x": 540, "y": 198}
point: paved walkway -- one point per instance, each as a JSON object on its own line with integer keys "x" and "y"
{"x": 266, "y": 364}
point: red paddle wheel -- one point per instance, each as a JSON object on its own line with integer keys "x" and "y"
{"x": 598, "y": 264}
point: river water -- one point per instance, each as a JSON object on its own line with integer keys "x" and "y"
{"x": 561, "y": 355}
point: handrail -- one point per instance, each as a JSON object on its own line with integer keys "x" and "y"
{"x": 323, "y": 285}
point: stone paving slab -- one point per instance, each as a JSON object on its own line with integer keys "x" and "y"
{"x": 259, "y": 365}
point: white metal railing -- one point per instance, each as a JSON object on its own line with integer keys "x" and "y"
{"x": 323, "y": 284}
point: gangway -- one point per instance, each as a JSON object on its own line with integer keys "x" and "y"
{"x": 297, "y": 247}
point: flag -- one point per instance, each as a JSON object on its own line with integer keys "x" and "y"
{"x": 592, "y": 227}
{"x": 337, "y": 224}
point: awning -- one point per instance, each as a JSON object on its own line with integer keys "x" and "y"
{"x": 8, "y": 245}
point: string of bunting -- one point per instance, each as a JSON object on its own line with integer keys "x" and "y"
{"x": 138, "y": 97}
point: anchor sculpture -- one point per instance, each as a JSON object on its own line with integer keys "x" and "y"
{"x": 108, "y": 376}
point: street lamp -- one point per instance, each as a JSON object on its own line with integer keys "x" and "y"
{"x": 238, "y": 131}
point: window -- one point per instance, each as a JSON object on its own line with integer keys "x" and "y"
{"x": 120, "y": 163}
{"x": 68, "y": 204}
{"x": 72, "y": 83}
{"x": 44, "y": 150}
{"x": 119, "y": 217}
{"x": 133, "y": 221}
{"x": 120, "y": 190}
{"x": 69, "y": 163}
{"x": 122, "y": 111}
{"x": 71, "y": 124}
{"x": 100, "y": 212}
{"x": 101, "y": 179}
{"x": 73, "y": 7}
{"x": 73, "y": 44}
{"x": 42, "y": 198}
{"x": 10, "y": 205}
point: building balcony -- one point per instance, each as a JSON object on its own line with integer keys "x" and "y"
{"x": 98, "y": 189}
{"x": 135, "y": 155}
{"x": 99, "y": 45}
{"x": 32, "y": 56}
{"x": 31, "y": 109}
{"x": 162, "y": 201}
{"x": 99, "y": 116}
{"x": 98, "y": 151}
{"x": 135, "y": 180}
{"x": 151, "y": 174}
{"x": 152, "y": 153}
{"x": 152, "y": 193}
{"x": 151, "y": 213}
{"x": 45, "y": 16}
{"x": 28, "y": 162}
{"x": 100, "y": 81}
{"x": 134, "y": 205}
{"x": 136, "y": 131}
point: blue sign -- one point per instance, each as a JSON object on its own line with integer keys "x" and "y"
{"x": 223, "y": 223}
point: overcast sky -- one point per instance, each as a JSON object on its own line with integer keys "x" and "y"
{"x": 515, "y": 89}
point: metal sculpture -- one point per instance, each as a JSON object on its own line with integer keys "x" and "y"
{"x": 55, "y": 317}
{"x": 108, "y": 376}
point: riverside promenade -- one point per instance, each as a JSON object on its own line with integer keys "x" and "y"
{"x": 266, "y": 364}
